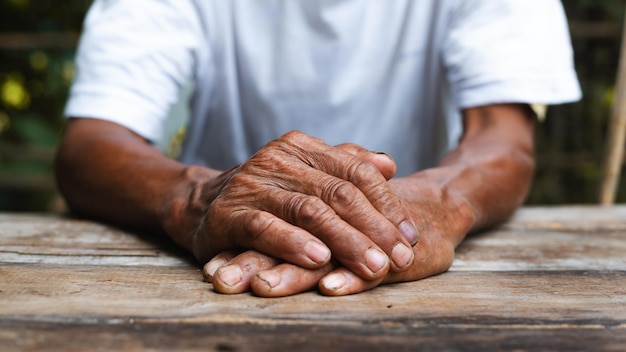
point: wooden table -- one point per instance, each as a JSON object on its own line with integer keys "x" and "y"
{"x": 549, "y": 279}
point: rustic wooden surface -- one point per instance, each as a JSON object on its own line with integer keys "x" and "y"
{"x": 549, "y": 279}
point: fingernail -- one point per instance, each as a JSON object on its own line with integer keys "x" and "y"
{"x": 375, "y": 259}
{"x": 401, "y": 255}
{"x": 409, "y": 232}
{"x": 212, "y": 266}
{"x": 230, "y": 275}
{"x": 381, "y": 153}
{"x": 317, "y": 252}
{"x": 334, "y": 281}
{"x": 270, "y": 277}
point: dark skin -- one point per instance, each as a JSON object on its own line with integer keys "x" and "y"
{"x": 300, "y": 213}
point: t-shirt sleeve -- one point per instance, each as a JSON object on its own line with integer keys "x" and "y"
{"x": 509, "y": 51}
{"x": 133, "y": 58}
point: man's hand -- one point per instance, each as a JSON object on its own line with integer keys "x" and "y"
{"x": 299, "y": 200}
{"x": 442, "y": 219}
{"x": 477, "y": 185}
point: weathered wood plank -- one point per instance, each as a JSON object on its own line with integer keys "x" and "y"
{"x": 514, "y": 250}
{"x": 132, "y": 308}
{"x": 49, "y": 239}
{"x": 569, "y": 218}
{"x": 549, "y": 279}
{"x": 82, "y": 294}
{"x": 572, "y": 238}
{"x": 395, "y": 336}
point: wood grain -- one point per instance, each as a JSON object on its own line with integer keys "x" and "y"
{"x": 47, "y": 239}
{"x": 549, "y": 279}
{"x": 178, "y": 293}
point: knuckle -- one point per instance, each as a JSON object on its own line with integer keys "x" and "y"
{"x": 291, "y": 135}
{"x": 259, "y": 224}
{"x": 279, "y": 154}
{"x": 373, "y": 185}
{"x": 341, "y": 193}
{"x": 300, "y": 141}
{"x": 272, "y": 151}
{"x": 292, "y": 138}
{"x": 353, "y": 146}
{"x": 307, "y": 210}
{"x": 387, "y": 203}
{"x": 366, "y": 171}
{"x": 266, "y": 153}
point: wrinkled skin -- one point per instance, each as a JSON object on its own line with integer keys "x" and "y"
{"x": 299, "y": 199}
{"x": 299, "y": 213}
{"x": 436, "y": 214}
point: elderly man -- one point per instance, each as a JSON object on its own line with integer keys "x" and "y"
{"x": 331, "y": 144}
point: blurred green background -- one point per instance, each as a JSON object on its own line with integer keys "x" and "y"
{"x": 37, "y": 41}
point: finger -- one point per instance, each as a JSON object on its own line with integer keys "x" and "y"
{"x": 383, "y": 161}
{"x": 332, "y": 209}
{"x": 376, "y": 189}
{"x": 433, "y": 255}
{"x": 355, "y": 166}
{"x": 287, "y": 279}
{"x": 209, "y": 269}
{"x": 294, "y": 154}
{"x": 347, "y": 244}
{"x": 341, "y": 282}
{"x": 234, "y": 276}
{"x": 273, "y": 236}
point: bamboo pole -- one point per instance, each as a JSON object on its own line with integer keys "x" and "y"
{"x": 614, "y": 155}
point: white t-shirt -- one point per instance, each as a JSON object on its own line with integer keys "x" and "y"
{"x": 390, "y": 75}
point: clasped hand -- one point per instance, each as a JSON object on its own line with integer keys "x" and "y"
{"x": 314, "y": 214}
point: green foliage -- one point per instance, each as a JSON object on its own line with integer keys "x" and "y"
{"x": 33, "y": 88}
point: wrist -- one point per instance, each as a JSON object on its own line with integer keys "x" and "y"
{"x": 192, "y": 193}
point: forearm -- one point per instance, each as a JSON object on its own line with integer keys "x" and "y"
{"x": 109, "y": 173}
{"x": 498, "y": 150}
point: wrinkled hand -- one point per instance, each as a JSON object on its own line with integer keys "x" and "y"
{"x": 299, "y": 200}
{"x": 442, "y": 220}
